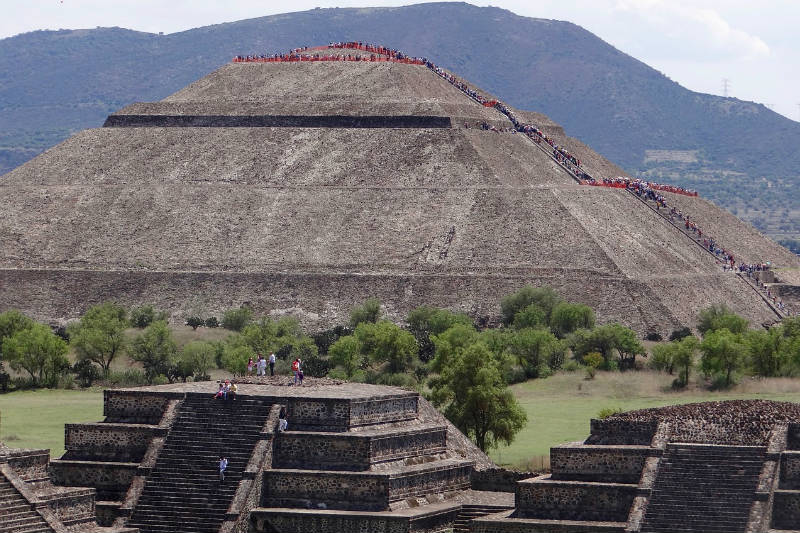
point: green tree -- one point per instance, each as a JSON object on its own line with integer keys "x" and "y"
{"x": 544, "y": 297}
{"x": 532, "y": 316}
{"x": 537, "y": 351}
{"x": 99, "y": 337}
{"x": 384, "y": 342}
{"x": 425, "y": 321}
{"x": 144, "y": 315}
{"x": 237, "y": 319}
{"x": 718, "y": 317}
{"x": 10, "y": 322}
{"x": 567, "y": 317}
{"x": 39, "y": 352}
{"x": 450, "y": 344}
{"x": 199, "y": 357}
{"x": 608, "y": 340}
{"x": 348, "y": 354}
{"x": 473, "y": 396}
{"x": 368, "y": 312}
{"x": 684, "y": 358}
{"x": 663, "y": 357}
{"x": 195, "y": 322}
{"x": 155, "y": 349}
{"x": 765, "y": 354}
{"x": 235, "y": 358}
{"x": 724, "y": 353}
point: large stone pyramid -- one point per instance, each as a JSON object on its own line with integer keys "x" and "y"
{"x": 308, "y": 187}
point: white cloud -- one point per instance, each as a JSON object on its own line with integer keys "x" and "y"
{"x": 690, "y": 27}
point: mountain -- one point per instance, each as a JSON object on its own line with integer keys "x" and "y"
{"x": 740, "y": 154}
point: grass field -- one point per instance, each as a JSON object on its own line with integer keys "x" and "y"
{"x": 35, "y": 419}
{"x": 559, "y": 409}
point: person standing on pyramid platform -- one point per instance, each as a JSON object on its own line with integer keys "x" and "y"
{"x": 261, "y": 365}
{"x": 298, "y": 372}
{"x": 250, "y": 366}
{"x": 272, "y": 364}
{"x": 234, "y": 390}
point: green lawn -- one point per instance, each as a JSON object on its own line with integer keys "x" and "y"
{"x": 35, "y": 419}
{"x": 559, "y": 408}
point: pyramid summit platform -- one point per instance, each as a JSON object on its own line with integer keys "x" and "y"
{"x": 310, "y": 186}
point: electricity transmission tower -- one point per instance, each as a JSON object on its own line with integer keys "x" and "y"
{"x": 725, "y": 85}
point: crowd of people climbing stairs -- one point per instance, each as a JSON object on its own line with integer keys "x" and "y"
{"x": 646, "y": 190}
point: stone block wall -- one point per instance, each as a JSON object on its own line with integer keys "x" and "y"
{"x": 613, "y": 464}
{"x": 135, "y": 407}
{"x": 110, "y": 479}
{"x": 375, "y": 411}
{"x": 28, "y": 464}
{"x": 341, "y": 414}
{"x": 289, "y": 521}
{"x": 574, "y": 500}
{"x": 790, "y": 470}
{"x": 335, "y": 490}
{"x": 498, "y": 479}
{"x": 108, "y": 441}
{"x": 622, "y": 432}
{"x": 786, "y": 510}
{"x": 354, "y": 452}
{"x": 437, "y": 480}
{"x": 74, "y": 506}
{"x": 322, "y": 451}
{"x": 793, "y": 437}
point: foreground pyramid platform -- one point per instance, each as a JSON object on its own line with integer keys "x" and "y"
{"x": 722, "y": 467}
{"x": 354, "y": 458}
{"x": 308, "y": 187}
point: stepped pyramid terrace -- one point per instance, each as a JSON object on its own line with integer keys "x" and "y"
{"x": 364, "y": 458}
{"x": 306, "y": 187}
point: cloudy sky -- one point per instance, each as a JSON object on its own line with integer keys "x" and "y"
{"x": 697, "y": 43}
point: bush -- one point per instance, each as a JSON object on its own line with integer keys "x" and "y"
{"x": 131, "y": 377}
{"x": 607, "y": 412}
{"x": 316, "y": 366}
{"x": 679, "y": 334}
{"x": 369, "y": 312}
{"x": 654, "y": 336}
{"x": 86, "y": 372}
{"x": 143, "y": 316}
{"x": 194, "y": 322}
{"x": 543, "y": 297}
{"x": 234, "y": 360}
{"x": 571, "y": 366}
{"x": 212, "y": 322}
{"x": 237, "y": 319}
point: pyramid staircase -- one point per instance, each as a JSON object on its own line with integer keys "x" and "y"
{"x": 16, "y": 514}
{"x": 704, "y": 489}
{"x": 785, "y": 517}
{"x": 183, "y": 492}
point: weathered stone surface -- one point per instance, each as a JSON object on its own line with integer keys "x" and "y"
{"x": 317, "y": 219}
{"x": 543, "y": 497}
{"x": 613, "y": 464}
